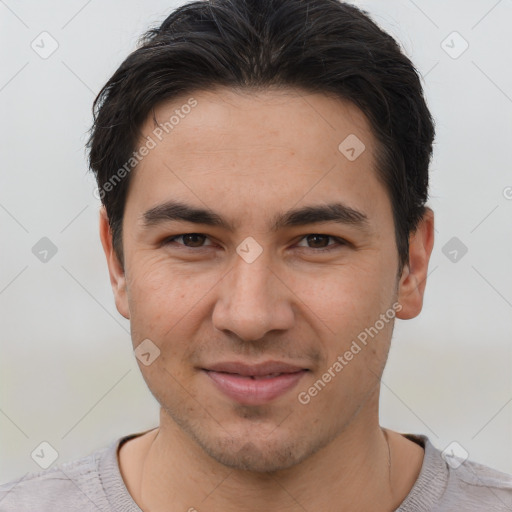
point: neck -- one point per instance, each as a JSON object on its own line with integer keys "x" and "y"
{"x": 355, "y": 471}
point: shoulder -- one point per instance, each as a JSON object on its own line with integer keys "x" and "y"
{"x": 447, "y": 483}
{"x": 72, "y": 486}
{"x": 474, "y": 486}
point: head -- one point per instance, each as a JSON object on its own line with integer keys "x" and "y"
{"x": 228, "y": 116}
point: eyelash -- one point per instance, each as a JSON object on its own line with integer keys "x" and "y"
{"x": 339, "y": 242}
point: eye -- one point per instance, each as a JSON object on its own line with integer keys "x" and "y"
{"x": 190, "y": 240}
{"x": 319, "y": 239}
{"x": 196, "y": 241}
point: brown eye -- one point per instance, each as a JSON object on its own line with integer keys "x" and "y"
{"x": 320, "y": 242}
{"x": 190, "y": 240}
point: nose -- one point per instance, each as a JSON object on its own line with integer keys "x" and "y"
{"x": 253, "y": 300}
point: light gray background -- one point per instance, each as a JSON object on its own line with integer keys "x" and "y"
{"x": 68, "y": 374}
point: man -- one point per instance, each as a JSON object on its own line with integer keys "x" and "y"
{"x": 263, "y": 169}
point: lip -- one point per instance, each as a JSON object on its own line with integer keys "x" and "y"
{"x": 255, "y": 370}
{"x": 254, "y": 384}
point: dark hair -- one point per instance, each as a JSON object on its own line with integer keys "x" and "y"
{"x": 320, "y": 46}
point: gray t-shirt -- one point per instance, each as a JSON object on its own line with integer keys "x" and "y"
{"x": 94, "y": 483}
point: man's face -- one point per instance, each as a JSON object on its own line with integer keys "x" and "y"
{"x": 255, "y": 294}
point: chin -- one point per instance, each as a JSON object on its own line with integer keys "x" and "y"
{"x": 260, "y": 450}
{"x": 260, "y": 456}
{"x": 251, "y": 440}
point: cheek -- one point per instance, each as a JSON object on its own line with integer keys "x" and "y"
{"x": 163, "y": 302}
{"x": 346, "y": 304}
{"x": 161, "y": 296}
{"x": 342, "y": 297}
{"x": 151, "y": 292}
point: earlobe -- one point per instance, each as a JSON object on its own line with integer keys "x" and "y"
{"x": 115, "y": 269}
{"x": 411, "y": 287}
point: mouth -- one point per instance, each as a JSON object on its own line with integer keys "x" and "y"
{"x": 254, "y": 384}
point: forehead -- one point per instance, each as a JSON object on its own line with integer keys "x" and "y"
{"x": 258, "y": 119}
{"x": 257, "y": 149}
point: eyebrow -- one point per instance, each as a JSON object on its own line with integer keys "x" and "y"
{"x": 333, "y": 212}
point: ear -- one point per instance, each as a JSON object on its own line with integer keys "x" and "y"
{"x": 414, "y": 275}
{"x": 115, "y": 269}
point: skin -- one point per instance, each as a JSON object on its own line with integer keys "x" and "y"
{"x": 249, "y": 156}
